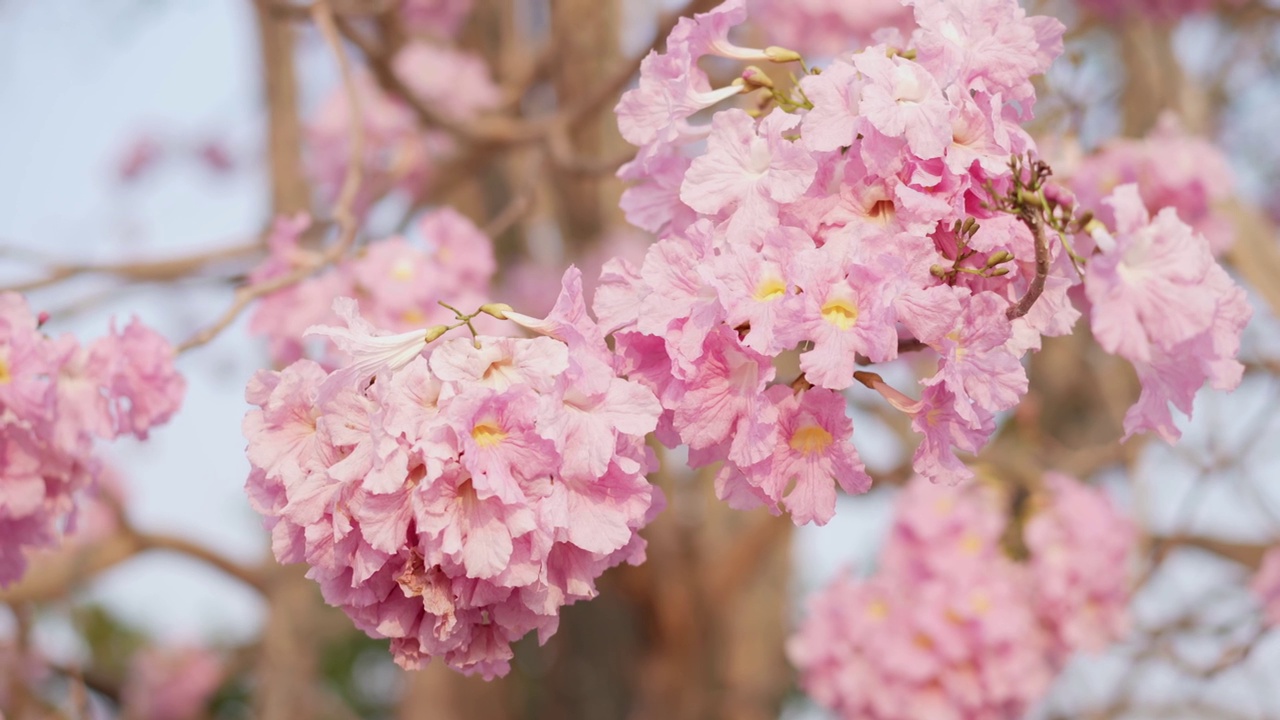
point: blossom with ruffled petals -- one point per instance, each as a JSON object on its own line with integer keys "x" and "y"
{"x": 473, "y": 489}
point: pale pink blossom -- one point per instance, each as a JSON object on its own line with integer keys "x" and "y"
{"x": 748, "y": 170}
{"x": 171, "y": 683}
{"x": 456, "y": 512}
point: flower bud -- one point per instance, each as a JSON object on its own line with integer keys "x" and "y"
{"x": 1002, "y": 256}
{"x": 497, "y": 310}
{"x": 782, "y": 55}
{"x": 434, "y": 333}
{"x": 754, "y": 77}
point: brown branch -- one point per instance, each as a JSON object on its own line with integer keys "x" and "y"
{"x": 139, "y": 271}
{"x": 343, "y": 212}
{"x": 350, "y": 8}
{"x": 290, "y": 191}
{"x": 1247, "y": 554}
{"x": 734, "y": 571}
{"x": 484, "y": 130}
{"x": 157, "y": 541}
{"x": 1031, "y": 218}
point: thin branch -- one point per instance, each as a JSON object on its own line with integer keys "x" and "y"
{"x": 589, "y": 105}
{"x": 1033, "y": 222}
{"x": 139, "y": 271}
{"x": 343, "y": 212}
{"x": 735, "y": 570}
{"x": 485, "y": 130}
{"x": 157, "y": 541}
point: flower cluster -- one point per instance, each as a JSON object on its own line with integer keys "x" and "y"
{"x": 454, "y": 496}
{"x": 880, "y": 204}
{"x": 435, "y": 18}
{"x": 830, "y": 27}
{"x": 1172, "y": 169}
{"x": 56, "y": 398}
{"x": 951, "y": 626}
{"x": 850, "y": 219}
{"x": 398, "y": 153}
{"x": 171, "y": 683}
{"x": 1160, "y": 301}
{"x": 399, "y": 283}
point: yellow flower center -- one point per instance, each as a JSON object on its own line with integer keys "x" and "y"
{"x": 402, "y": 270}
{"x": 770, "y": 289}
{"x": 971, "y": 544}
{"x": 840, "y": 312}
{"x": 487, "y": 434}
{"x": 413, "y": 316}
{"x": 877, "y": 610}
{"x": 810, "y": 439}
{"x": 954, "y": 336}
{"x": 5, "y": 375}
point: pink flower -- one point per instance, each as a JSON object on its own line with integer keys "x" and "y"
{"x": 1148, "y": 284}
{"x": 439, "y": 18}
{"x": 171, "y": 683}
{"x": 977, "y": 364}
{"x": 1172, "y": 169}
{"x": 371, "y": 352}
{"x": 136, "y": 366}
{"x": 950, "y": 626}
{"x": 653, "y": 202}
{"x": 460, "y": 500}
{"x": 56, "y": 399}
{"x": 988, "y": 46}
{"x": 833, "y": 122}
{"x": 671, "y": 90}
{"x": 830, "y": 27}
{"x": 456, "y": 84}
{"x": 1080, "y": 548}
{"x": 1160, "y": 301}
{"x": 756, "y": 289}
{"x": 845, "y": 311}
{"x": 748, "y": 170}
{"x": 815, "y": 451}
{"x": 901, "y": 99}
{"x": 724, "y": 401}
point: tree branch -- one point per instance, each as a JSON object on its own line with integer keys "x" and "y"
{"x": 343, "y": 212}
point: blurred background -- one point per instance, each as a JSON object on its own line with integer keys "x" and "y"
{"x": 147, "y": 145}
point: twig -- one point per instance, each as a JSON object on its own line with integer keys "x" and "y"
{"x": 160, "y": 270}
{"x": 1023, "y": 306}
{"x": 343, "y": 212}
{"x": 157, "y": 541}
{"x": 510, "y": 215}
{"x": 486, "y": 130}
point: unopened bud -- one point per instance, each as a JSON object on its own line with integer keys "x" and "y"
{"x": 782, "y": 55}
{"x": 938, "y": 271}
{"x": 970, "y": 226}
{"x": 498, "y": 310}
{"x": 998, "y": 272}
{"x": 754, "y": 77}
{"x": 1030, "y": 199}
{"x": 434, "y": 333}
{"x": 1094, "y": 225}
{"x": 1003, "y": 256}
{"x": 42, "y": 318}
